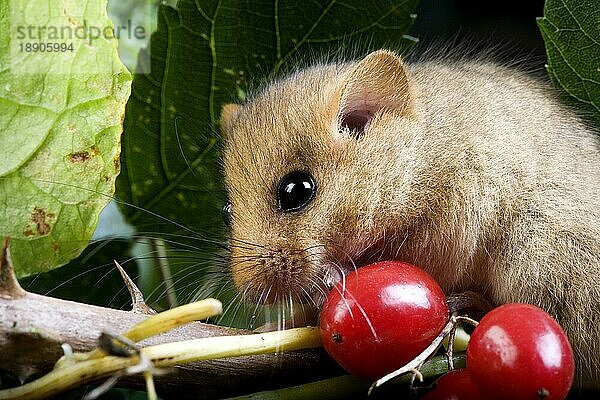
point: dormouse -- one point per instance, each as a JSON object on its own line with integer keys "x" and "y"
{"x": 470, "y": 170}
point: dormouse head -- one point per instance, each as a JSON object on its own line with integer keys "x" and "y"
{"x": 314, "y": 169}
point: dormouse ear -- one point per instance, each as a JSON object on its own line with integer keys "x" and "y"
{"x": 378, "y": 82}
{"x": 228, "y": 114}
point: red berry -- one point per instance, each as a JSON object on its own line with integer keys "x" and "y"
{"x": 519, "y": 352}
{"x": 385, "y": 315}
{"x": 455, "y": 385}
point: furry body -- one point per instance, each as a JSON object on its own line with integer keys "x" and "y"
{"x": 472, "y": 171}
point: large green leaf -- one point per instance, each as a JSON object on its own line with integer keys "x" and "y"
{"x": 203, "y": 55}
{"x": 60, "y": 125}
{"x": 571, "y": 31}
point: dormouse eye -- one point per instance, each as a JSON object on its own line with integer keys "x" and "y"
{"x": 227, "y": 213}
{"x": 295, "y": 191}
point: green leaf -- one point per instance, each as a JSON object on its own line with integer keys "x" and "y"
{"x": 571, "y": 32}
{"x": 203, "y": 55}
{"x": 60, "y": 126}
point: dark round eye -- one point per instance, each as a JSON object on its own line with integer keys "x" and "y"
{"x": 227, "y": 213}
{"x": 295, "y": 191}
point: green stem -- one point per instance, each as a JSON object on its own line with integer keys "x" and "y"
{"x": 345, "y": 386}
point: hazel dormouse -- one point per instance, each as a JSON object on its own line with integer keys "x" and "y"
{"x": 472, "y": 171}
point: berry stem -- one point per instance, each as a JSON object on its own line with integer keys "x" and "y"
{"x": 451, "y": 348}
{"x": 420, "y": 359}
{"x": 463, "y": 318}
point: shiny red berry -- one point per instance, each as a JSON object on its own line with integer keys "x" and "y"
{"x": 519, "y": 352}
{"x": 382, "y": 316}
{"x": 454, "y": 385}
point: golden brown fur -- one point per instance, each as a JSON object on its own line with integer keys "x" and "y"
{"x": 472, "y": 171}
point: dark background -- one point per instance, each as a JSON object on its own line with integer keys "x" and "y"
{"x": 508, "y": 25}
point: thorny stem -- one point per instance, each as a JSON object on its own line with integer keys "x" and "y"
{"x": 138, "y": 304}
{"x": 164, "y": 355}
{"x": 72, "y": 366}
{"x": 9, "y": 286}
{"x": 160, "y": 323}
